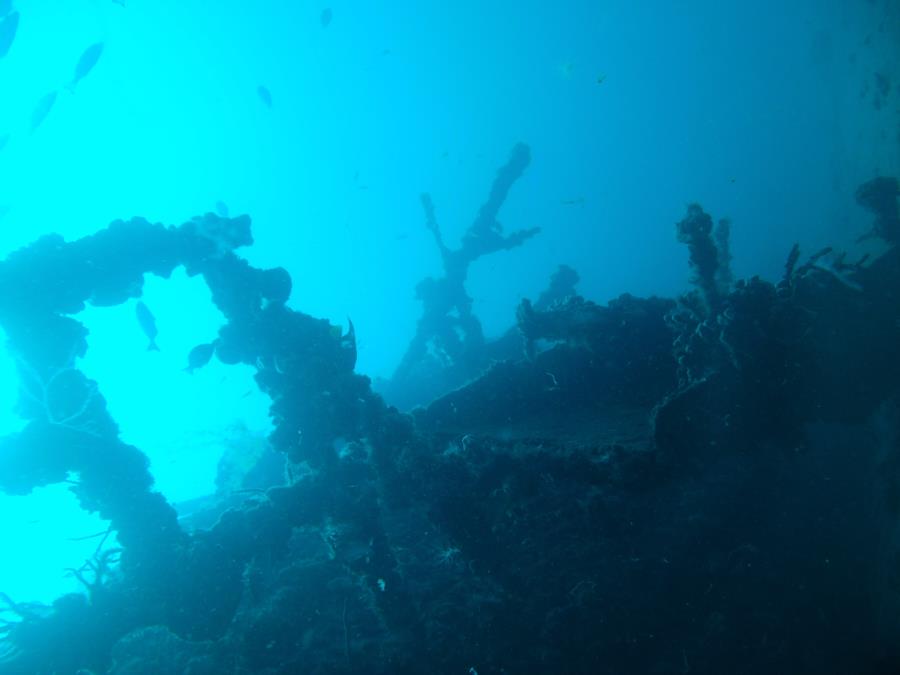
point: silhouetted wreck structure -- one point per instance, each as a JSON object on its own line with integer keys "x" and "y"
{"x": 709, "y": 484}
{"x": 449, "y": 347}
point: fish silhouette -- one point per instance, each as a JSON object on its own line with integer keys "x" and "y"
{"x": 86, "y": 63}
{"x": 148, "y": 325}
{"x": 199, "y": 356}
{"x": 8, "y": 27}
{"x": 265, "y": 95}
{"x": 42, "y": 109}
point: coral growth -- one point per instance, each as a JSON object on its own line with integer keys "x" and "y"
{"x": 533, "y": 519}
{"x": 696, "y": 230}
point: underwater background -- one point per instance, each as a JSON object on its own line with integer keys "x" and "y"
{"x": 471, "y": 337}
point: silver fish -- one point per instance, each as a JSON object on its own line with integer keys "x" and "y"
{"x": 86, "y": 63}
{"x": 4, "y": 140}
{"x": 8, "y": 27}
{"x": 42, "y": 109}
{"x": 148, "y": 325}
{"x": 221, "y": 209}
{"x": 325, "y": 17}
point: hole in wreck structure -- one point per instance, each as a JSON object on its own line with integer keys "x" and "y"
{"x": 204, "y": 433}
{"x": 201, "y": 430}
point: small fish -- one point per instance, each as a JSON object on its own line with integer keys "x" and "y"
{"x": 264, "y": 95}
{"x": 120, "y": 3}
{"x": 42, "y": 109}
{"x": 8, "y": 27}
{"x": 5, "y": 7}
{"x": 4, "y": 140}
{"x": 199, "y": 356}
{"x": 221, "y": 209}
{"x": 325, "y": 17}
{"x": 572, "y": 202}
{"x": 4, "y": 210}
{"x": 86, "y": 63}
{"x": 601, "y": 79}
{"x": 148, "y": 325}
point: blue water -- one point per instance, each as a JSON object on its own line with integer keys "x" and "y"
{"x": 767, "y": 113}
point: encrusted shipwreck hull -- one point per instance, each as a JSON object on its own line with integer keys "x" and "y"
{"x": 712, "y": 489}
